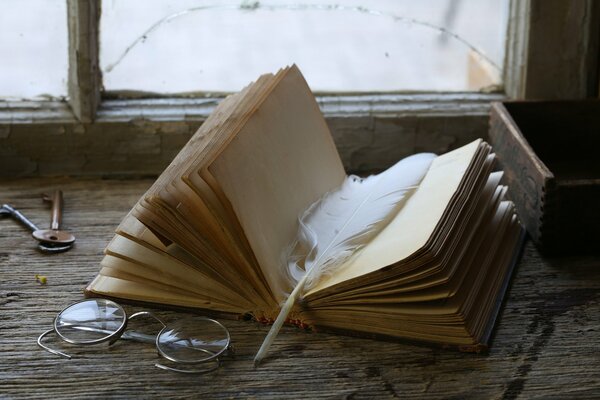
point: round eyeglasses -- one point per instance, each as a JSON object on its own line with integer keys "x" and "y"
{"x": 190, "y": 341}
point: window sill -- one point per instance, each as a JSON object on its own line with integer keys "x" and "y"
{"x": 140, "y": 137}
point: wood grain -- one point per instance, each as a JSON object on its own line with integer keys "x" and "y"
{"x": 545, "y": 344}
{"x": 554, "y": 185}
{"x": 85, "y": 81}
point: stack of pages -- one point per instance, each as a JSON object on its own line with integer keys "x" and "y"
{"x": 214, "y": 231}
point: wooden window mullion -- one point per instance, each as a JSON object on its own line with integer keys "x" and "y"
{"x": 84, "y": 72}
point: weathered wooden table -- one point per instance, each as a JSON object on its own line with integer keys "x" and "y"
{"x": 546, "y": 343}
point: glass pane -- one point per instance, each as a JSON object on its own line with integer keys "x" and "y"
{"x": 34, "y": 48}
{"x": 383, "y": 45}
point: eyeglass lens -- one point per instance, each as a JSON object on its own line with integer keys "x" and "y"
{"x": 193, "y": 340}
{"x": 90, "y": 321}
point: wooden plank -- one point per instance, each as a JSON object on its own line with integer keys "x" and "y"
{"x": 517, "y": 44}
{"x": 84, "y": 72}
{"x": 134, "y": 147}
{"x": 526, "y": 175}
{"x": 563, "y": 49}
{"x": 371, "y": 131}
{"x": 544, "y": 346}
{"x": 554, "y": 184}
{"x": 552, "y": 49}
{"x": 173, "y": 109}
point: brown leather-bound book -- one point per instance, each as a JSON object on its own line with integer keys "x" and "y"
{"x": 219, "y": 230}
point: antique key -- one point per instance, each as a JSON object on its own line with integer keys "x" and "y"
{"x": 54, "y": 235}
{"x": 47, "y": 247}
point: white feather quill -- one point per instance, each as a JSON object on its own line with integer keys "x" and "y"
{"x": 335, "y": 227}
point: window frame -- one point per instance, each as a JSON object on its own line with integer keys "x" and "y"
{"x": 537, "y": 30}
{"x": 525, "y": 74}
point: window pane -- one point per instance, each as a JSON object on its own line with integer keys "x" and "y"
{"x": 383, "y": 45}
{"x": 34, "y": 48}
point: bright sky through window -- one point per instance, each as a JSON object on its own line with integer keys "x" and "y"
{"x": 33, "y": 44}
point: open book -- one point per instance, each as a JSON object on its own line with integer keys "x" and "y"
{"x": 214, "y": 232}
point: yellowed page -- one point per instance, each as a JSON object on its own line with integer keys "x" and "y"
{"x": 115, "y": 287}
{"x": 416, "y": 220}
{"x": 281, "y": 161}
{"x": 133, "y": 227}
{"x": 126, "y": 248}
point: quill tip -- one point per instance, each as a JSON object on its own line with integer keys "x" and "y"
{"x": 258, "y": 360}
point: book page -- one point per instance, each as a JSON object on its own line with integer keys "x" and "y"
{"x": 422, "y": 280}
{"x": 280, "y": 162}
{"x": 411, "y": 228}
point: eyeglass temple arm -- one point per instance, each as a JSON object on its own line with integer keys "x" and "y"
{"x": 128, "y": 335}
{"x": 134, "y": 336}
{"x": 48, "y": 349}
